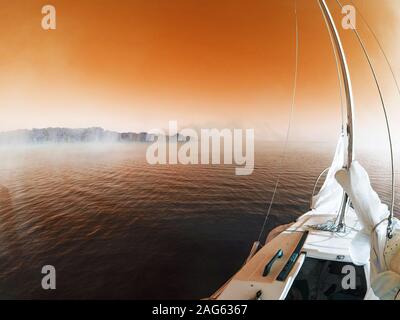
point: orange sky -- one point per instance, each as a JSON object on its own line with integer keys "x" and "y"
{"x": 134, "y": 65}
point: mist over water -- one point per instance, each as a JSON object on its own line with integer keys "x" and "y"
{"x": 116, "y": 227}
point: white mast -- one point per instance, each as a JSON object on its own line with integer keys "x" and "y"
{"x": 349, "y": 97}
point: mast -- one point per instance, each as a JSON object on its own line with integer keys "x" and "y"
{"x": 349, "y": 99}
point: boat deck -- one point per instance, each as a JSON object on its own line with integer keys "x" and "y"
{"x": 249, "y": 282}
{"x": 324, "y": 244}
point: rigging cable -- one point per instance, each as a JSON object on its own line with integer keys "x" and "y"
{"x": 289, "y": 124}
{"x": 390, "y": 218}
{"x": 380, "y": 47}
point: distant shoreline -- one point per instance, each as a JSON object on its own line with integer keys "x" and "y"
{"x": 80, "y": 135}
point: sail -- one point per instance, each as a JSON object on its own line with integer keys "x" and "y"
{"x": 371, "y": 243}
{"x": 330, "y": 196}
{"x": 370, "y": 211}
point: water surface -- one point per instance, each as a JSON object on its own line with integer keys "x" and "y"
{"x": 115, "y": 227}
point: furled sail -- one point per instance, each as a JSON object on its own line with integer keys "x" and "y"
{"x": 330, "y": 196}
{"x": 368, "y": 207}
{"x": 371, "y": 243}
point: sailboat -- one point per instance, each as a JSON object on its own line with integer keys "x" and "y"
{"x": 347, "y": 246}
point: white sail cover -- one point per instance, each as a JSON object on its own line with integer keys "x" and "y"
{"x": 368, "y": 207}
{"x": 330, "y": 196}
{"x": 371, "y": 244}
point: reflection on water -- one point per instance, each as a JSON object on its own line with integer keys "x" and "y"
{"x": 116, "y": 227}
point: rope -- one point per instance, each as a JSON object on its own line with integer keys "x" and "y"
{"x": 390, "y": 218}
{"x": 289, "y": 125}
